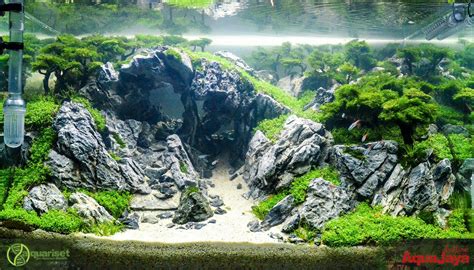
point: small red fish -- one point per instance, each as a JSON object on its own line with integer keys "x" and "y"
{"x": 364, "y": 137}
{"x": 355, "y": 124}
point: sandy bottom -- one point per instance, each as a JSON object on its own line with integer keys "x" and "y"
{"x": 229, "y": 227}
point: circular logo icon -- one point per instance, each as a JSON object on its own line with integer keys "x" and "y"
{"x": 18, "y": 254}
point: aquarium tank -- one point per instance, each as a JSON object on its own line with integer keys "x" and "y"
{"x": 236, "y": 134}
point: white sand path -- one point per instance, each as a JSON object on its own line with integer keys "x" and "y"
{"x": 229, "y": 227}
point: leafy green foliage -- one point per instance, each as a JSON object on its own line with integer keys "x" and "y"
{"x": 299, "y": 186}
{"x": 54, "y": 220}
{"x": 440, "y": 145}
{"x": 201, "y": 43}
{"x": 105, "y": 228}
{"x": 305, "y": 232}
{"x": 183, "y": 167}
{"x": 40, "y": 113}
{"x": 115, "y": 202}
{"x": 272, "y": 127}
{"x": 262, "y": 209}
{"x": 119, "y": 140}
{"x": 173, "y": 54}
{"x": 34, "y": 173}
{"x": 462, "y": 147}
{"x": 367, "y": 225}
{"x": 99, "y": 119}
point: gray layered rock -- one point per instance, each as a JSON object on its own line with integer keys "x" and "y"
{"x": 175, "y": 166}
{"x": 325, "y": 201}
{"x": 279, "y": 212}
{"x": 322, "y": 96}
{"x": 123, "y": 134}
{"x": 193, "y": 207}
{"x": 63, "y": 170}
{"x": 267, "y": 75}
{"x": 453, "y": 129}
{"x": 79, "y": 141}
{"x": 364, "y": 168}
{"x": 43, "y": 198}
{"x": 292, "y": 85}
{"x": 301, "y": 145}
{"x": 426, "y": 187}
{"x": 239, "y": 62}
{"x": 465, "y": 175}
{"x": 89, "y": 209}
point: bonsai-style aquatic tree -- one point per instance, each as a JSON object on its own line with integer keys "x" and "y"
{"x": 412, "y": 109}
{"x": 202, "y": 43}
{"x": 349, "y": 72}
{"x": 360, "y": 55}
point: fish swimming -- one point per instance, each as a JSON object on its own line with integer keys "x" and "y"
{"x": 364, "y": 137}
{"x": 355, "y": 124}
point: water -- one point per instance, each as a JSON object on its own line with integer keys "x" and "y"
{"x": 139, "y": 128}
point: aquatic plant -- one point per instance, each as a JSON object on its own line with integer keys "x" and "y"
{"x": 272, "y": 127}
{"x": 99, "y": 119}
{"x": 202, "y": 43}
{"x": 367, "y": 225}
{"x": 115, "y": 202}
{"x": 298, "y": 188}
{"x": 40, "y": 113}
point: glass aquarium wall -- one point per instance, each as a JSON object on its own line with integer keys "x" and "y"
{"x": 317, "y": 123}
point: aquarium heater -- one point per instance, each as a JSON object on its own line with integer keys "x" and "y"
{"x": 458, "y": 19}
{"x": 14, "y": 108}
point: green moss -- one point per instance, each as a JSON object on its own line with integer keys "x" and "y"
{"x": 34, "y": 173}
{"x": 173, "y": 54}
{"x": 99, "y": 119}
{"x": 367, "y": 225}
{"x": 54, "y": 220}
{"x": 448, "y": 115}
{"x": 355, "y": 153}
{"x": 440, "y": 145}
{"x": 104, "y": 229}
{"x": 298, "y": 189}
{"x": 272, "y": 127}
{"x": 457, "y": 221}
{"x": 115, "y": 156}
{"x": 40, "y": 113}
{"x": 115, "y": 202}
{"x": 305, "y": 232}
{"x": 462, "y": 147}
{"x": 261, "y": 210}
{"x": 300, "y": 185}
{"x": 119, "y": 140}
{"x": 6, "y": 178}
{"x": 183, "y": 167}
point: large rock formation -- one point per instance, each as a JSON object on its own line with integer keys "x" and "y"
{"x": 425, "y": 187}
{"x": 363, "y": 168}
{"x": 322, "y": 96}
{"x": 325, "y": 201}
{"x": 193, "y": 207}
{"x": 372, "y": 172}
{"x": 301, "y": 145}
{"x": 43, "y": 198}
{"x": 89, "y": 209}
{"x": 80, "y": 159}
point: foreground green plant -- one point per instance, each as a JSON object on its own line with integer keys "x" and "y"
{"x": 368, "y": 226}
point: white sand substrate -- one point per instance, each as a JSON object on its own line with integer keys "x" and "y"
{"x": 229, "y": 227}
